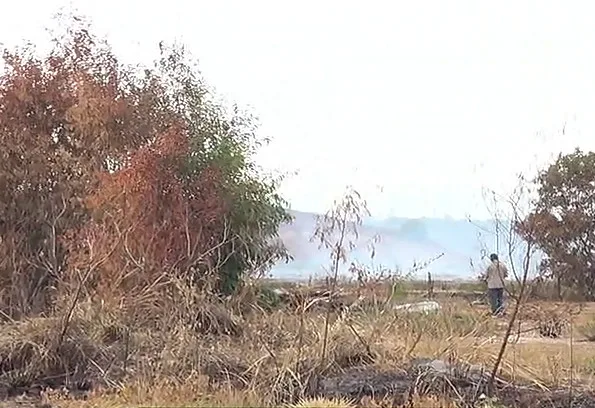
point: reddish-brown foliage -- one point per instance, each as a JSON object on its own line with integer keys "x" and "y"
{"x": 81, "y": 134}
{"x": 163, "y": 221}
{"x": 61, "y": 119}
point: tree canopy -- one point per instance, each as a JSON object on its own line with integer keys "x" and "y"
{"x": 562, "y": 223}
{"x": 124, "y": 174}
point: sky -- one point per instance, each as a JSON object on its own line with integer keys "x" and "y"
{"x": 420, "y": 105}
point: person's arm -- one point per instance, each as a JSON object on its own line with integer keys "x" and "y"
{"x": 484, "y": 276}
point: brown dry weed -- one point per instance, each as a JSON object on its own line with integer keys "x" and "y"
{"x": 271, "y": 358}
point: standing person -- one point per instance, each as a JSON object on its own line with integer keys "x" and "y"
{"x": 494, "y": 276}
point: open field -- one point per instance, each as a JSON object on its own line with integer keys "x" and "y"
{"x": 135, "y": 217}
{"x": 265, "y": 351}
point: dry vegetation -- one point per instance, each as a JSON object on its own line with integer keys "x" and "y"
{"x": 231, "y": 356}
{"x": 133, "y": 224}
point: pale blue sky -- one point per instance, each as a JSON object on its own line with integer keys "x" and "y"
{"x": 418, "y": 104}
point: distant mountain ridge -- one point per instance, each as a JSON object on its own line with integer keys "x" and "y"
{"x": 403, "y": 243}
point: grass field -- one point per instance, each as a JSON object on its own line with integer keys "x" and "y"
{"x": 260, "y": 349}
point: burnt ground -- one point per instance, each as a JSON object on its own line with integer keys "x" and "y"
{"x": 468, "y": 385}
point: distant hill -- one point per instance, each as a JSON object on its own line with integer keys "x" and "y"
{"x": 403, "y": 243}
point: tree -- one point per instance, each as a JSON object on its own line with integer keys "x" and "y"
{"x": 95, "y": 151}
{"x": 563, "y": 221}
{"x": 62, "y": 119}
{"x": 227, "y": 140}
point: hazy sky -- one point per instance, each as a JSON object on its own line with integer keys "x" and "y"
{"x": 418, "y": 104}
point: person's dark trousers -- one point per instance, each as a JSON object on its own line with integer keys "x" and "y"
{"x": 496, "y": 300}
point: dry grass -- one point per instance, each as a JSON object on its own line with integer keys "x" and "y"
{"x": 224, "y": 357}
{"x": 587, "y": 329}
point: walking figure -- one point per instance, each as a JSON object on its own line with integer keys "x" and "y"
{"x": 494, "y": 276}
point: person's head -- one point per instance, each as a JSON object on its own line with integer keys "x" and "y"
{"x": 493, "y": 257}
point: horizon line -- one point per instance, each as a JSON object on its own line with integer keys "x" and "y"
{"x": 444, "y": 217}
